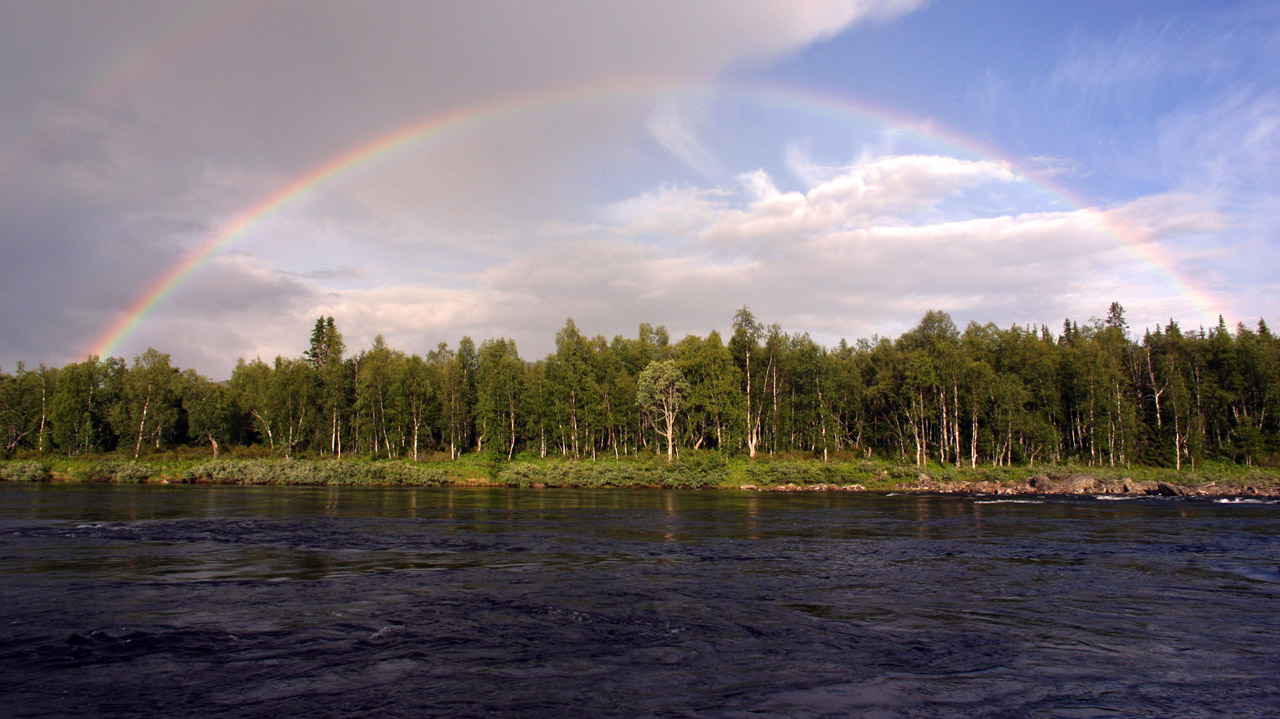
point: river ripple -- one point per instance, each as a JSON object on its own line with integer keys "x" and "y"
{"x": 261, "y": 601}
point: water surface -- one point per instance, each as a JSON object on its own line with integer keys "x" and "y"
{"x": 464, "y": 602}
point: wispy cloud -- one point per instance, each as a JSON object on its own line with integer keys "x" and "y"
{"x": 672, "y": 127}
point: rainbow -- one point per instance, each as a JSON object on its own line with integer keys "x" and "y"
{"x": 1132, "y": 240}
{"x": 439, "y": 127}
{"x": 435, "y": 127}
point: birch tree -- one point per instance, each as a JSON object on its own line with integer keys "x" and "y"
{"x": 660, "y": 391}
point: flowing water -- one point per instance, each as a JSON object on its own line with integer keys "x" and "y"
{"x": 121, "y": 601}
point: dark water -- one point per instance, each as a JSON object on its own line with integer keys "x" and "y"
{"x": 262, "y": 601}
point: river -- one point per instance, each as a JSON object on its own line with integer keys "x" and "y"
{"x": 121, "y": 601}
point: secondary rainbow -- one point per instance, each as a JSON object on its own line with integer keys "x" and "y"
{"x": 188, "y": 27}
{"x": 438, "y": 127}
{"x": 435, "y": 127}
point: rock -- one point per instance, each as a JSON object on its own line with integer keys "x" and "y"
{"x": 854, "y": 488}
{"x": 1073, "y": 484}
{"x": 1082, "y": 483}
{"x": 749, "y": 488}
{"x": 1132, "y": 487}
{"x": 1164, "y": 489}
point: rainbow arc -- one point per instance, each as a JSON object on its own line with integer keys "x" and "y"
{"x": 439, "y": 128}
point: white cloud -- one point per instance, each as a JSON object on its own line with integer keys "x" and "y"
{"x": 820, "y": 275}
{"x": 805, "y": 168}
{"x": 875, "y": 191}
{"x": 1165, "y": 215}
{"x": 678, "y": 133}
{"x": 1232, "y": 143}
{"x": 1097, "y": 67}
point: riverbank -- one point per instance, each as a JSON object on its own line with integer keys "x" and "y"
{"x": 704, "y": 471}
{"x": 1078, "y": 483}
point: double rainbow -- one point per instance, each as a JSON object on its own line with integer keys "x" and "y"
{"x": 439, "y": 127}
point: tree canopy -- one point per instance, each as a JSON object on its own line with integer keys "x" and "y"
{"x": 1090, "y": 393}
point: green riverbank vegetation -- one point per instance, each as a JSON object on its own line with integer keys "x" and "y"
{"x": 764, "y": 407}
{"x": 706, "y": 469}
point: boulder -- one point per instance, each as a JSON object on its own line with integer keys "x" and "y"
{"x": 1129, "y": 486}
{"x": 1072, "y": 484}
{"x": 1082, "y": 483}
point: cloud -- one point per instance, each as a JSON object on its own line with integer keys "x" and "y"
{"x": 561, "y": 179}
{"x": 1231, "y": 143}
{"x": 865, "y": 193}
{"x": 1050, "y": 166}
{"x": 130, "y": 132}
{"x": 803, "y": 167}
{"x": 673, "y": 129}
{"x": 1171, "y": 214}
{"x": 821, "y": 275}
{"x": 1138, "y": 56}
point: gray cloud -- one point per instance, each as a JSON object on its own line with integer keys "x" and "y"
{"x": 131, "y": 132}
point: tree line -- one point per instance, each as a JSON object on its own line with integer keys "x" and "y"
{"x": 1088, "y": 394}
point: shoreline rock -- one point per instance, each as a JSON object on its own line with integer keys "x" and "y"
{"x": 1085, "y": 484}
{"x": 791, "y": 487}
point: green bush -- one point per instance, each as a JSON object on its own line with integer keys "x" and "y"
{"x": 111, "y": 470}
{"x": 608, "y": 473}
{"x": 26, "y": 471}
{"x": 315, "y": 472}
{"x": 126, "y": 472}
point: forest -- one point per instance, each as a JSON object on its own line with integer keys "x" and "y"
{"x": 1090, "y": 394}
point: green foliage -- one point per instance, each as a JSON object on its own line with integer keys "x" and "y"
{"x": 323, "y": 472}
{"x": 985, "y": 399}
{"x": 660, "y": 391}
{"x": 112, "y": 470}
{"x": 147, "y": 408}
{"x": 127, "y": 472}
{"x": 24, "y": 472}
{"x": 646, "y": 474}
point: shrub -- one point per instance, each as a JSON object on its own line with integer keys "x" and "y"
{"x": 24, "y": 472}
{"x": 643, "y": 473}
{"x": 111, "y": 470}
{"x": 315, "y": 472}
{"x": 124, "y": 472}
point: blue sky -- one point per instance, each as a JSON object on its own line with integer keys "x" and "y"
{"x": 839, "y": 167}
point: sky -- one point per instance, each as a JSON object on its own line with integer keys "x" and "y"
{"x": 209, "y": 177}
